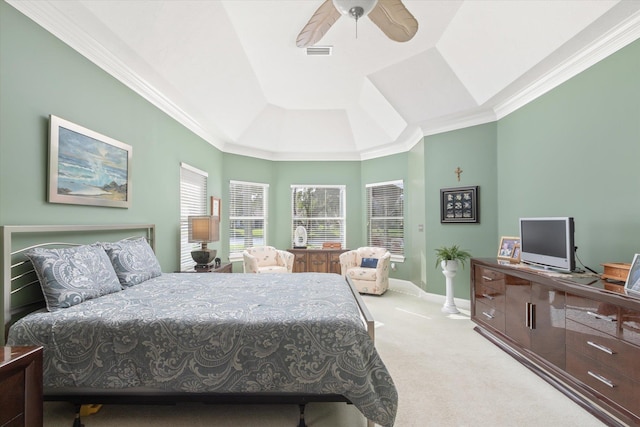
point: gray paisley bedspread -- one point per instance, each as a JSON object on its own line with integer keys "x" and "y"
{"x": 217, "y": 333}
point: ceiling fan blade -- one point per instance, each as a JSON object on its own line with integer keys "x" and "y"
{"x": 318, "y": 25}
{"x": 393, "y": 18}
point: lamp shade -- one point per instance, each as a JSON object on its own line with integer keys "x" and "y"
{"x": 346, "y": 7}
{"x": 203, "y": 229}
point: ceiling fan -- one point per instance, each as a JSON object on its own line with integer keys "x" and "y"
{"x": 391, "y": 16}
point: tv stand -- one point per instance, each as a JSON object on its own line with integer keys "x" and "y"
{"x": 580, "y": 334}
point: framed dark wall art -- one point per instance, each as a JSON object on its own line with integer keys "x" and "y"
{"x": 459, "y": 204}
{"x": 87, "y": 168}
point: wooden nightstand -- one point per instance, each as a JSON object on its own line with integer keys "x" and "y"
{"x": 21, "y": 386}
{"x": 224, "y": 268}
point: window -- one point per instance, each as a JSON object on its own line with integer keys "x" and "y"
{"x": 193, "y": 201}
{"x": 385, "y": 216}
{"x": 247, "y": 215}
{"x": 321, "y": 211}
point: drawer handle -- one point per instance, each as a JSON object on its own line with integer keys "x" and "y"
{"x": 489, "y": 297}
{"x": 487, "y": 278}
{"x": 600, "y": 316}
{"x": 489, "y": 316}
{"x": 600, "y": 347}
{"x": 601, "y": 379}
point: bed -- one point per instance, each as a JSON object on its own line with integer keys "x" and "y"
{"x": 281, "y": 338}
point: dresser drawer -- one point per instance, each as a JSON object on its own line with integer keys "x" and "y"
{"x": 608, "y": 382}
{"x": 490, "y": 296}
{"x": 605, "y": 349}
{"x": 600, "y": 316}
{"x": 488, "y": 277}
{"x": 490, "y": 316}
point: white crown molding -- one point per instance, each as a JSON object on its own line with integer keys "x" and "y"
{"x": 458, "y": 121}
{"x": 49, "y": 17}
{"x": 52, "y": 19}
{"x": 617, "y": 38}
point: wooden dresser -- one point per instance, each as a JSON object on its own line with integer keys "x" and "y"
{"x": 580, "y": 334}
{"x": 317, "y": 260}
{"x": 21, "y": 387}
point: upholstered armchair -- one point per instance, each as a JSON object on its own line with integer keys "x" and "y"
{"x": 368, "y": 269}
{"x": 267, "y": 259}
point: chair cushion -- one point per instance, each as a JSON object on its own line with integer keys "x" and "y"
{"x": 266, "y": 255}
{"x": 369, "y": 262}
{"x": 362, "y": 273}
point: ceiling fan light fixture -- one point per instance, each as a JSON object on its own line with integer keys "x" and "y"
{"x": 354, "y": 8}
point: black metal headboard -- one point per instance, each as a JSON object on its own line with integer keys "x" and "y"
{"x": 19, "y": 295}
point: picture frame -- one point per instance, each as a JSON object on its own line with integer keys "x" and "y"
{"x": 515, "y": 255}
{"x": 632, "y": 284}
{"x": 459, "y": 205}
{"x": 86, "y": 167}
{"x": 216, "y": 208}
{"x": 507, "y": 247}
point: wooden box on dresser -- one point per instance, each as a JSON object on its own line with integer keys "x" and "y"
{"x": 21, "y": 387}
{"x": 580, "y": 334}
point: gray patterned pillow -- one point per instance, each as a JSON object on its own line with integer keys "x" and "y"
{"x": 69, "y": 276}
{"x": 133, "y": 261}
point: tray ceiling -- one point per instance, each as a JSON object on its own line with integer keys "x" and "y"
{"x": 231, "y": 72}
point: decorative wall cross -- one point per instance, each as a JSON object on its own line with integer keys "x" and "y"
{"x": 458, "y": 171}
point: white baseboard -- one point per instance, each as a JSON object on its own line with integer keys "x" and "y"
{"x": 405, "y": 286}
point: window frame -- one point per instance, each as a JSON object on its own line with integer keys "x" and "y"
{"x": 190, "y": 207}
{"x": 342, "y": 218}
{"x": 397, "y": 256}
{"x": 237, "y": 254}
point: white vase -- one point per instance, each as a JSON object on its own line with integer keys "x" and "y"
{"x": 449, "y": 269}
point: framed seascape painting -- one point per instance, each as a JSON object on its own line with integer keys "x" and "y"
{"x": 459, "y": 205}
{"x": 87, "y": 168}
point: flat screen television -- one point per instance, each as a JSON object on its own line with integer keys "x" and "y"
{"x": 548, "y": 243}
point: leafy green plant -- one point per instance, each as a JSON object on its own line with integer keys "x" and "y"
{"x": 450, "y": 253}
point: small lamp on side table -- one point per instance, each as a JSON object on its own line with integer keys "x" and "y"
{"x": 203, "y": 229}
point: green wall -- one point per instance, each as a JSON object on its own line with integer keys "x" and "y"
{"x": 575, "y": 152}
{"x": 473, "y": 150}
{"x": 415, "y": 215}
{"x": 280, "y": 176}
{"x": 384, "y": 169}
{"x": 570, "y": 152}
{"x": 39, "y": 76}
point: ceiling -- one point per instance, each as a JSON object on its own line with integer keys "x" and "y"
{"x": 231, "y": 72}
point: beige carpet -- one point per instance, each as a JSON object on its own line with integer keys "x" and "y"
{"x": 446, "y": 375}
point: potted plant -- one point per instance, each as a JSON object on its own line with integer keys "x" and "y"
{"x": 445, "y": 254}
{"x": 448, "y": 257}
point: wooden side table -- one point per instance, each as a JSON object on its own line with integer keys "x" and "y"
{"x": 224, "y": 268}
{"x": 21, "y": 386}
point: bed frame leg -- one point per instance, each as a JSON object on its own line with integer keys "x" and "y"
{"x": 302, "y": 423}
{"x": 76, "y": 421}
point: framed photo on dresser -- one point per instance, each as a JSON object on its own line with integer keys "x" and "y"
{"x": 507, "y": 248}
{"x": 633, "y": 280}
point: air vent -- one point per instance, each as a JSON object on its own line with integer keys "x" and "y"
{"x": 319, "y": 50}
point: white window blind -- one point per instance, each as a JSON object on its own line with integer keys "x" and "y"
{"x": 385, "y": 216}
{"x": 321, "y": 211}
{"x": 193, "y": 201}
{"x": 247, "y": 215}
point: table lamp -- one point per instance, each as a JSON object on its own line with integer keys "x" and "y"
{"x": 203, "y": 229}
